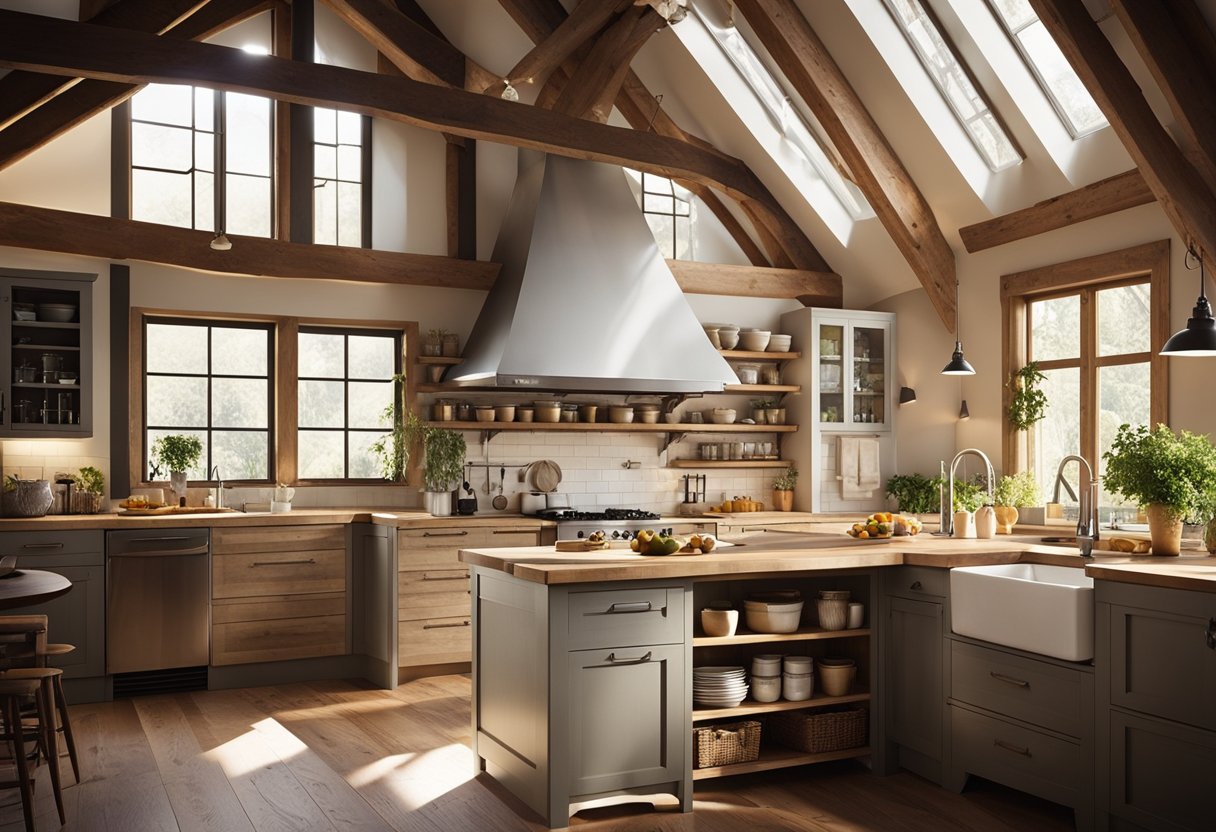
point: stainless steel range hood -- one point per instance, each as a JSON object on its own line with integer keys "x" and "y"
{"x": 584, "y": 300}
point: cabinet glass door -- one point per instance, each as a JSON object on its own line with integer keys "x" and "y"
{"x": 831, "y": 373}
{"x": 46, "y": 358}
{"x": 869, "y": 375}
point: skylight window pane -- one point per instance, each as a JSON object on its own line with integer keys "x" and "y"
{"x": 952, "y": 81}
{"x": 1055, "y": 75}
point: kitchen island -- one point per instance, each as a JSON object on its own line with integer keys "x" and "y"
{"x": 582, "y": 661}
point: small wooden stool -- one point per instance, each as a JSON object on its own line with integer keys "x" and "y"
{"x": 61, "y": 704}
{"x": 13, "y": 693}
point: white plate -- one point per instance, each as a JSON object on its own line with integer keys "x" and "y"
{"x": 718, "y": 670}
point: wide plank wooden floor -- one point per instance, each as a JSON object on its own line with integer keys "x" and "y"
{"x": 337, "y": 756}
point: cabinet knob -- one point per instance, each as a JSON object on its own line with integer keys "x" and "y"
{"x": 915, "y": 585}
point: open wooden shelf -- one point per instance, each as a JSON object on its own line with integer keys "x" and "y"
{"x": 728, "y": 463}
{"x": 762, "y": 388}
{"x": 776, "y": 757}
{"x": 750, "y": 707}
{"x": 614, "y": 427}
{"x": 753, "y": 355}
{"x": 801, "y": 634}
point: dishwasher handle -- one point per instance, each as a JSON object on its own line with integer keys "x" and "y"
{"x": 201, "y": 549}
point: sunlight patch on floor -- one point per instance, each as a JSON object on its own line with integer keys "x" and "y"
{"x": 418, "y": 779}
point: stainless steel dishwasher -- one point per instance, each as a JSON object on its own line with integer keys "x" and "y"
{"x": 158, "y": 590}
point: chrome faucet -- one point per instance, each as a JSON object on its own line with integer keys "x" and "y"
{"x": 947, "y": 514}
{"x": 1087, "y": 503}
{"x": 219, "y": 485}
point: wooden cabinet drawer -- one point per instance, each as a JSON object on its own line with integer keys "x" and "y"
{"x": 435, "y": 604}
{"x": 242, "y": 642}
{"x": 234, "y": 610}
{"x": 916, "y": 582}
{"x": 27, "y": 546}
{"x": 1162, "y": 777}
{"x": 431, "y": 580}
{"x": 245, "y": 539}
{"x": 620, "y": 617}
{"x": 434, "y": 641}
{"x": 433, "y": 593}
{"x": 1036, "y": 692}
{"x": 1016, "y": 755}
{"x": 278, "y": 573}
{"x": 439, "y": 548}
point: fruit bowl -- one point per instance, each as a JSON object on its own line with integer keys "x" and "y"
{"x": 881, "y": 526}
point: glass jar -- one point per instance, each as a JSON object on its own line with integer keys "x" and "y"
{"x": 569, "y": 413}
{"x": 748, "y": 373}
{"x": 770, "y": 374}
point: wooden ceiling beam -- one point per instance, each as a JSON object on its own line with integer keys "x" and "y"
{"x": 410, "y": 46}
{"x": 48, "y": 45}
{"x": 1180, "y": 51}
{"x": 1116, "y": 193}
{"x": 588, "y": 18}
{"x": 22, "y": 92}
{"x": 593, "y": 87}
{"x": 1178, "y": 187}
{"x": 81, "y": 101}
{"x": 881, "y": 176}
{"x": 819, "y": 288}
{"x": 89, "y": 235}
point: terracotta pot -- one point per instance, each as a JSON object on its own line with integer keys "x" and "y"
{"x": 1209, "y": 536}
{"x": 1165, "y": 530}
{"x": 783, "y": 500}
{"x": 1006, "y": 516}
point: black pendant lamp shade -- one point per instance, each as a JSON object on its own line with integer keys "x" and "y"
{"x": 958, "y": 365}
{"x": 1199, "y": 337}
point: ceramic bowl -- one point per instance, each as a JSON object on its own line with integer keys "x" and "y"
{"x": 779, "y": 343}
{"x": 719, "y": 623}
{"x": 504, "y": 413}
{"x": 723, "y": 416}
{"x": 754, "y": 340}
{"x": 763, "y": 617}
{"x": 547, "y": 411}
{"x": 621, "y": 414}
{"x": 728, "y": 336}
{"x": 484, "y": 412}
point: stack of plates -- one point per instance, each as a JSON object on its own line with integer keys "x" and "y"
{"x": 719, "y": 687}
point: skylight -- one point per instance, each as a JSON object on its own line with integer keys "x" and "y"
{"x": 954, "y": 82}
{"x": 1055, "y": 75}
{"x": 785, "y": 117}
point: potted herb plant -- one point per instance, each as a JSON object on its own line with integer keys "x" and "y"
{"x": 783, "y": 489}
{"x": 1029, "y": 402}
{"x": 914, "y": 493}
{"x": 760, "y": 408}
{"x": 177, "y": 453}
{"x": 1170, "y": 475}
{"x": 91, "y": 484}
{"x": 1014, "y": 491}
{"x": 393, "y": 449}
{"x": 443, "y": 464}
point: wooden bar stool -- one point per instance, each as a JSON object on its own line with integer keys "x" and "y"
{"x": 13, "y": 693}
{"x": 21, "y": 645}
{"x": 45, "y": 730}
{"x": 64, "y": 725}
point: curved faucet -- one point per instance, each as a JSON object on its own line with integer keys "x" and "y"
{"x": 947, "y": 516}
{"x": 1087, "y": 503}
{"x": 214, "y": 474}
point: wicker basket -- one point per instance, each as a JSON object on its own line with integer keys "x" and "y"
{"x": 817, "y": 732}
{"x": 722, "y": 745}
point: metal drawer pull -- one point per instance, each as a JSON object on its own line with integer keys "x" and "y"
{"x": 1211, "y": 634}
{"x": 460, "y": 533}
{"x": 444, "y": 626}
{"x": 915, "y": 585}
{"x": 281, "y": 562}
{"x": 1022, "y": 683}
{"x": 42, "y": 546}
{"x": 160, "y": 539}
{"x": 630, "y": 606}
{"x": 1008, "y": 746}
{"x": 427, "y": 577}
{"x": 612, "y": 658}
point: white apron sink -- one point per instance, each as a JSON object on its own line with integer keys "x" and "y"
{"x": 1042, "y": 609}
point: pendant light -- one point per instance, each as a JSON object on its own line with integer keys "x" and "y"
{"x": 958, "y": 365}
{"x": 1199, "y": 337}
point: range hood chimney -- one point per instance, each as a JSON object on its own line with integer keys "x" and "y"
{"x": 584, "y": 300}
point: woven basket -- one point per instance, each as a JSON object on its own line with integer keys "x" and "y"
{"x": 722, "y": 745}
{"x": 818, "y": 732}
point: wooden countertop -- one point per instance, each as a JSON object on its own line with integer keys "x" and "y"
{"x": 776, "y": 552}
{"x": 401, "y": 518}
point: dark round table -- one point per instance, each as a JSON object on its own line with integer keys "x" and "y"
{"x": 31, "y": 586}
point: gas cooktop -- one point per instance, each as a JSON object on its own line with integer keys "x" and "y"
{"x": 607, "y": 515}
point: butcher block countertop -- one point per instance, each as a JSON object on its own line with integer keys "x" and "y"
{"x": 768, "y": 553}
{"x": 401, "y": 518}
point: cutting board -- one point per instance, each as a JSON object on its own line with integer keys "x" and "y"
{"x": 582, "y": 545}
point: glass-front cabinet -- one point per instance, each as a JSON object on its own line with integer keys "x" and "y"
{"x": 852, "y": 364}
{"x": 46, "y": 340}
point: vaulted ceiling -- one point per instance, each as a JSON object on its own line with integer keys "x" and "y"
{"x": 611, "y": 80}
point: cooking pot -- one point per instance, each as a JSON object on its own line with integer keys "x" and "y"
{"x": 535, "y": 502}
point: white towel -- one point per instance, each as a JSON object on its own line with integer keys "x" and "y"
{"x": 860, "y": 473}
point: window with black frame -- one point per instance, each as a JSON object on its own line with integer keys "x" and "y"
{"x": 347, "y": 379}
{"x": 214, "y": 380}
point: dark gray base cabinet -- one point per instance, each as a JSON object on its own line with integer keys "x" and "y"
{"x": 1156, "y": 673}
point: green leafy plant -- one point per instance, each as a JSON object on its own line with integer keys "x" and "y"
{"x": 1017, "y": 490}
{"x": 177, "y": 452}
{"x": 968, "y": 496}
{"x": 443, "y": 458}
{"x": 787, "y": 480}
{"x": 393, "y": 449}
{"x": 762, "y": 404}
{"x": 1029, "y": 403}
{"x": 915, "y": 493}
{"x": 91, "y": 480}
{"x": 1156, "y": 466}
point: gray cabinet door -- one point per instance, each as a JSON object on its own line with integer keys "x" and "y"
{"x": 914, "y": 694}
{"x": 77, "y": 617}
{"x": 626, "y": 717}
{"x": 1161, "y": 773}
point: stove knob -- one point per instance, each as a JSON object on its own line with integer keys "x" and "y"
{"x": 580, "y": 534}
{"x": 616, "y": 535}
{"x": 625, "y": 535}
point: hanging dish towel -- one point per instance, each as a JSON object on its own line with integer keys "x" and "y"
{"x": 860, "y": 473}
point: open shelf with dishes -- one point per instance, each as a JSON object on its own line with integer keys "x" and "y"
{"x": 728, "y": 463}
{"x": 852, "y": 704}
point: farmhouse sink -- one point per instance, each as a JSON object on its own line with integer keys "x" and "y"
{"x": 1043, "y": 609}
